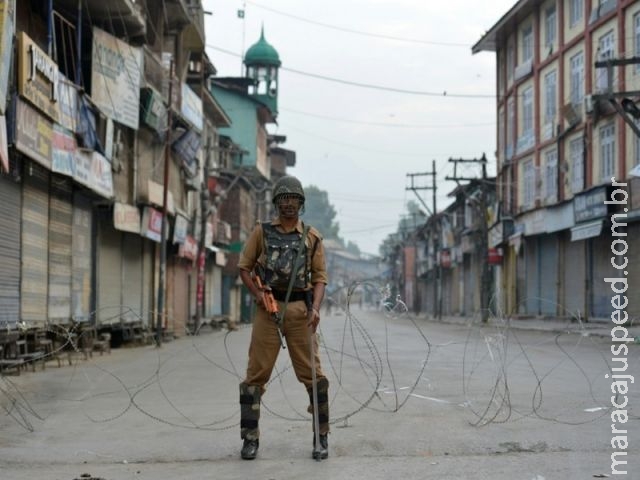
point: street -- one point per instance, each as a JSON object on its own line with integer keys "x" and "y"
{"x": 410, "y": 398}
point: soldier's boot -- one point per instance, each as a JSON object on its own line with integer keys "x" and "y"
{"x": 323, "y": 418}
{"x": 249, "y": 417}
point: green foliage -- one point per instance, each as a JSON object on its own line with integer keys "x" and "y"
{"x": 320, "y": 213}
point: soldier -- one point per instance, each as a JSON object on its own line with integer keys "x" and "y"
{"x": 289, "y": 258}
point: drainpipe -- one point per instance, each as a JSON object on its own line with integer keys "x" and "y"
{"x": 79, "y": 44}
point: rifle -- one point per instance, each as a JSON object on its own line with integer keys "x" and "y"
{"x": 271, "y": 305}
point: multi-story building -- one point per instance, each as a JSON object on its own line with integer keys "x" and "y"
{"x": 110, "y": 130}
{"x": 563, "y": 136}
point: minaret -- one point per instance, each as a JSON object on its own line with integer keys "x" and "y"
{"x": 262, "y": 62}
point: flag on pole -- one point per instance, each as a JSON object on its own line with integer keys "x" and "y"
{"x": 240, "y": 13}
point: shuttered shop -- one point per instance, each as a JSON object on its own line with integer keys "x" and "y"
{"x": 602, "y": 268}
{"x": 633, "y": 255}
{"x": 10, "y": 202}
{"x": 548, "y": 275}
{"x": 574, "y": 277}
{"x": 60, "y": 228}
{"x": 132, "y": 272}
{"x": 109, "y": 298}
{"x": 35, "y": 235}
{"x": 81, "y": 262}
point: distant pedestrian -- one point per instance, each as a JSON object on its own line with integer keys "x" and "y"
{"x": 289, "y": 257}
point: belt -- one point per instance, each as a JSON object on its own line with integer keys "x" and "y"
{"x": 296, "y": 296}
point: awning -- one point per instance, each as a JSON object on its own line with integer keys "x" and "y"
{"x": 586, "y": 230}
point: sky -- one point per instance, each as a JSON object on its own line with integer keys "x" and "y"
{"x": 371, "y": 91}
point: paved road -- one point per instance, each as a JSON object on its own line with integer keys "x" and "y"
{"x": 413, "y": 400}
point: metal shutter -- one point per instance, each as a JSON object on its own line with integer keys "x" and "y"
{"x": 132, "y": 272}
{"x": 574, "y": 277}
{"x": 10, "y": 205}
{"x": 548, "y": 276}
{"x": 81, "y": 262}
{"x": 60, "y": 222}
{"x": 35, "y": 251}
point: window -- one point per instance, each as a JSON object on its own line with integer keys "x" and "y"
{"x": 607, "y": 150}
{"x": 577, "y": 78}
{"x": 526, "y": 139}
{"x": 501, "y": 143}
{"x": 576, "y": 9}
{"x": 577, "y": 165}
{"x": 551, "y": 176}
{"x": 605, "y": 50}
{"x": 511, "y": 124}
{"x": 527, "y": 44}
{"x": 511, "y": 61}
{"x": 550, "y": 31}
{"x": 529, "y": 185}
{"x": 636, "y": 40}
{"x": 636, "y": 142}
{"x": 550, "y": 93}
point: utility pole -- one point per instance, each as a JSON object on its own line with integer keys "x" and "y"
{"x": 483, "y": 246}
{"x": 163, "y": 234}
{"x": 437, "y": 277}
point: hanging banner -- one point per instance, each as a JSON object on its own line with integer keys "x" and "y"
{"x": 38, "y": 77}
{"x": 191, "y": 107}
{"x": 180, "y": 229}
{"x": 68, "y": 103}
{"x": 126, "y": 218}
{"x": 7, "y": 30}
{"x": 151, "y": 226}
{"x": 94, "y": 171}
{"x": 33, "y": 134}
{"x": 4, "y": 152}
{"x": 115, "y": 78}
{"x": 63, "y": 151}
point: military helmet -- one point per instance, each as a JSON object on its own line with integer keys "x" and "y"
{"x": 287, "y": 185}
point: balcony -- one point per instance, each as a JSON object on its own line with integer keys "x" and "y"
{"x": 129, "y": 14}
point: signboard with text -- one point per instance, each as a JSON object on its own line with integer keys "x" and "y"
{"x": 38, "y": 77}
{"x": 115, "y": 78}
{"x": 34, "y": 133}
{"x": 7, "y": 29}
{"x": 590, "y": 205}
{"x": 126, "y": 218}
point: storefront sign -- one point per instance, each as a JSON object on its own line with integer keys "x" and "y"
{"x": 115, "y": 78}
{"x": 4, "y": 153}
{"x": 558, "y": 217}
{"x": 153, "y": 112}
{"x": 126, "y": 217}
{"x": 68, "y": 103}
{"x": 494, "y": 256}
{"x": 37, "y": 77}
{"x": 186, "y": 147}
{"x": 34, "y": 134}
{"x": 155, "y": 194}
{"x": 7, "y": 30}
{"x": 151, "y": 226}
{"x": 188, "y": 249}
{"x": 63, "y": 151}
{"x": 94, "y": 171}
{"x": 590, "y": 205}
{"x": 586, "y": 230}
{"x": 180, "y": 229}
{"x": 191, "y": 107}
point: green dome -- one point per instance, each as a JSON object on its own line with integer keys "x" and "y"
{"x": 262, "y": 53}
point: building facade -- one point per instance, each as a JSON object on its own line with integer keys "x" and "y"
{"x": 563, "y": 140}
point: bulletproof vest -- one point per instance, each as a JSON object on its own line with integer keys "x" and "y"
{"x": 281, "y": 251}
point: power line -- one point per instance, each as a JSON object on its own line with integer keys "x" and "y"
{"x": 385, "y": 124}
{"x": 360, "y": 32}
{"x": 370, "y": 86}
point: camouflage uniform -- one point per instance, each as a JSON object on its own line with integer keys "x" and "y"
{"x": 265, "y": 341}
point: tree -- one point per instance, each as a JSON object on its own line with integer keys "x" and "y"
{"x": 320, "y": 213}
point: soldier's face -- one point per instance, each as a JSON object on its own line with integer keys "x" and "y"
{"x": 289, "y": 205}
